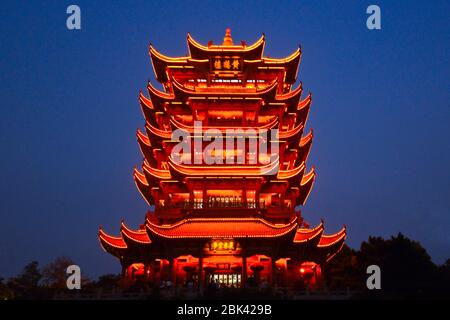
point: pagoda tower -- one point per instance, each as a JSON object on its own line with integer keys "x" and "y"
{"x": 224, "y": 173}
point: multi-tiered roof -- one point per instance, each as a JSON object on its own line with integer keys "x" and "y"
{"x": 227, "y": 86}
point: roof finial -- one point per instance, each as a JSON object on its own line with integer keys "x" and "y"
{"x": 227, "y": 40}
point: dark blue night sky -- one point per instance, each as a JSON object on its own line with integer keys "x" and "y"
{"x": 69, "y": 112}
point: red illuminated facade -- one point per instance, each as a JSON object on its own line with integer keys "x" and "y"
{"x": 238, "y": 218}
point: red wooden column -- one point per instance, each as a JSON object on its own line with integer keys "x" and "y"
{"x": 244, "y": 268}
{"x": 200, "y": 273}
{"x": 273, "y": 272}
{"x": 257, "y": 195}
{"x": 173, "y": 271}
{"x": 205, "y": 201}
{"x": 152, "y": 273}
{"x": 244, "y": 195}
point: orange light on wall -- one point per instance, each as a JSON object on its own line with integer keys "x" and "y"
{"x": 135, "y": 270}
{"x": 137, "y": 266}
{"x": 302, "y": 270}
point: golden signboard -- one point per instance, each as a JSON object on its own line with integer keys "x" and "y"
{"x": 222, "y": 245}
{"x": 226, "y": 64}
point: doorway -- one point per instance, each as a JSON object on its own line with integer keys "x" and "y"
{"x": 229, "y": 280}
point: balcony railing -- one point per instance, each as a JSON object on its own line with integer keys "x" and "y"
{"x": 219, "y": 205}
{"x": 219, "y": 202}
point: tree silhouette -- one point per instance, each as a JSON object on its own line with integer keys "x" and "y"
{"x": 5, "y": 292}
{"x": 406, "y": 267}
{"x": 54, "y": 274}
{"x": 342, "y": 272}
{"x": 444, "y": 278}
{"x": 108, "y": 281}
{"x": 26, "y": 284}
{"x": 406, "y": 270}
